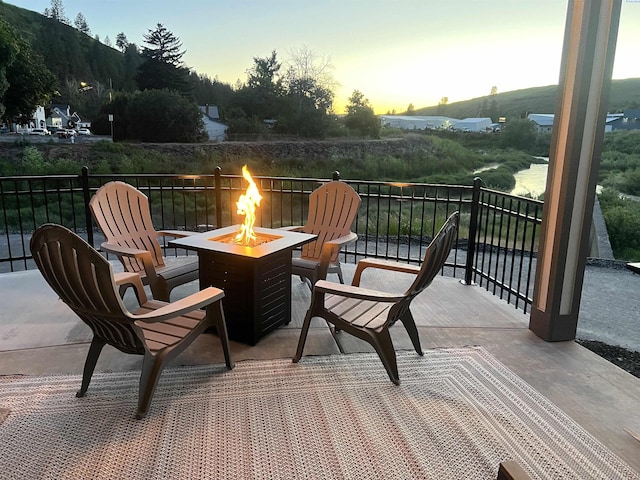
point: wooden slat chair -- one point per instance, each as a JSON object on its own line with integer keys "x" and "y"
{"x": 332, "y": 209}
{"x": 368, "y": 314}
{"x": 84, "y": 280}
{"x": 122, "y": 213}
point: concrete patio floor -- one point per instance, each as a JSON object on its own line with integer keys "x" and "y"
{"x": 40, "y": 336}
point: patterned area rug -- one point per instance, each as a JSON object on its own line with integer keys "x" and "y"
{"x": 457, "y": 414}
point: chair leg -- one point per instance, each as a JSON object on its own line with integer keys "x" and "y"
{"x": 303, "y": 333}
{"x": 160, "y": 291}
{"x": 221, "y": 328}
{"x": 382, "y": 344}
{"x": 339, "y": 272}
{"x": 151, "y": 369}
{"x": 90, "y": 364}
{"x": 410, "y": 325}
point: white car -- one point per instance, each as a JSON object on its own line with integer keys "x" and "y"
{"x": 84, "y": 131}
{"x": 39, "y": 131}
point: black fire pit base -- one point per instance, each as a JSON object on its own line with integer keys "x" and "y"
{"x": 257, "y": 291}
{"x": 256, "y": 280}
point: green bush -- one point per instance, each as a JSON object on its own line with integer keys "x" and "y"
{"x": 622, "y": 217}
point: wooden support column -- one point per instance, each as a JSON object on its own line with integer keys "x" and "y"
{"x": 576, "y": 144}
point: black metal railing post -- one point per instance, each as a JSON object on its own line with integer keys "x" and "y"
{"x": 473, "y": 229}
{"x": 84, "y": 180}
{"x": 218, "y": 194}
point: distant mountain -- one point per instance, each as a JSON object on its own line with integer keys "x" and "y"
{"x": 624, "y": 94}
{"x": 68, "y": 53}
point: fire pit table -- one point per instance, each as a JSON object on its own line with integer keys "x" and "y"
{"x": 256, "y": 279}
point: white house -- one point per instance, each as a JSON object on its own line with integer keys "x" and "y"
{"x": 37, "y": 121}
{"x": 61, "y": 117}
{"x": 213, "y": 126}
{"x": 543, "y": 121}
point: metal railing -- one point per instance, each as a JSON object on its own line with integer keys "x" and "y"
{"x": 495, "y": 249}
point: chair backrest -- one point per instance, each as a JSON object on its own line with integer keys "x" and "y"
{"x": 332, "y": 209}
{"x": 122, "y": 213}
{"x": 436, "y": 254}
{"x": 434, "y": 259}
{"x": 83, "y": 279}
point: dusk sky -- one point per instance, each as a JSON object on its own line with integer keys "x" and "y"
{"x": 394, "y": 52}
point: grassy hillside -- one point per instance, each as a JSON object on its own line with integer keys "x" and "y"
{"x": 67, "y": 53}
{"x": 624, "y": 94}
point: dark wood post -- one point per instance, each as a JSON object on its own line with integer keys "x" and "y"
{"x": 473, "y": 231}
{"x": 84, "y": 181}
{"x": 218, "y": 194}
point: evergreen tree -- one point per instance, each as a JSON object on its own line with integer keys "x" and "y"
{"x": 263, "y": 95}
{"x": 132, "y": 61}
{"x": 162, "y": 65}
{"x": 122, "y": 42}
{"x": 56, "y": 11}
{"x": 81, "y": 24}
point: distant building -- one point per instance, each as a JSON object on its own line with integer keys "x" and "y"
{"x": 37, "y": 121}
{"x": 417, "y": 122}
{"x": 61, "y": 117}
{"x": 629, "y": 120}
{"x": 474, "y": 124}
{"x": 216, "y": 130}
{"x": 543, "y": 121}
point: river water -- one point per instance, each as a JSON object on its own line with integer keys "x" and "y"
{"x": 529, "y": 182}
{"x": 532, "y": 181}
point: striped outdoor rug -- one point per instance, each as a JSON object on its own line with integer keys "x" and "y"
{"x": 457, "y": 414}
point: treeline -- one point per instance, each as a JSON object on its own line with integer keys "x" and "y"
{"x": 293, "y": 96}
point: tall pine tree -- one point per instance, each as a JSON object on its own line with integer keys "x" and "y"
{"x": 162, "y": 66}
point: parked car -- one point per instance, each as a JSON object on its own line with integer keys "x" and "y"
{"x": 39, "y": 131}
{"x": 84, "y": 131}
{"x": 62, "y": 133}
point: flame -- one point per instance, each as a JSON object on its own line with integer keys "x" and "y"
{"x": 247, "y": 204}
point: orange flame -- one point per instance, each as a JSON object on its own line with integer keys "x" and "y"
{"x": 247, "y": 204}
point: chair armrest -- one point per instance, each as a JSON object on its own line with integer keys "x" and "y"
{"x": 131, "y": 279}
{"x": 344, "y": 240}
{"x": 383, "y": 265}
{"x": 328, "y": 248}
{"x": 127, "y": 278}
{"x": 184, "y": 305}
{"x": 323, "y": 286}
{"x": 142, "y": 255}
{"x": 175, "y": 233}
{"x": 123, "y": 251}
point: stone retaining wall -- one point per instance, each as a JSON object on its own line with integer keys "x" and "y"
{"x": 303, "y": 150}
{"x": 283, "y": 150}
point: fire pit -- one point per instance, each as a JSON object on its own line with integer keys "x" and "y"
{"x": 252, "y": 266}
{"x": 256, "y": 279}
